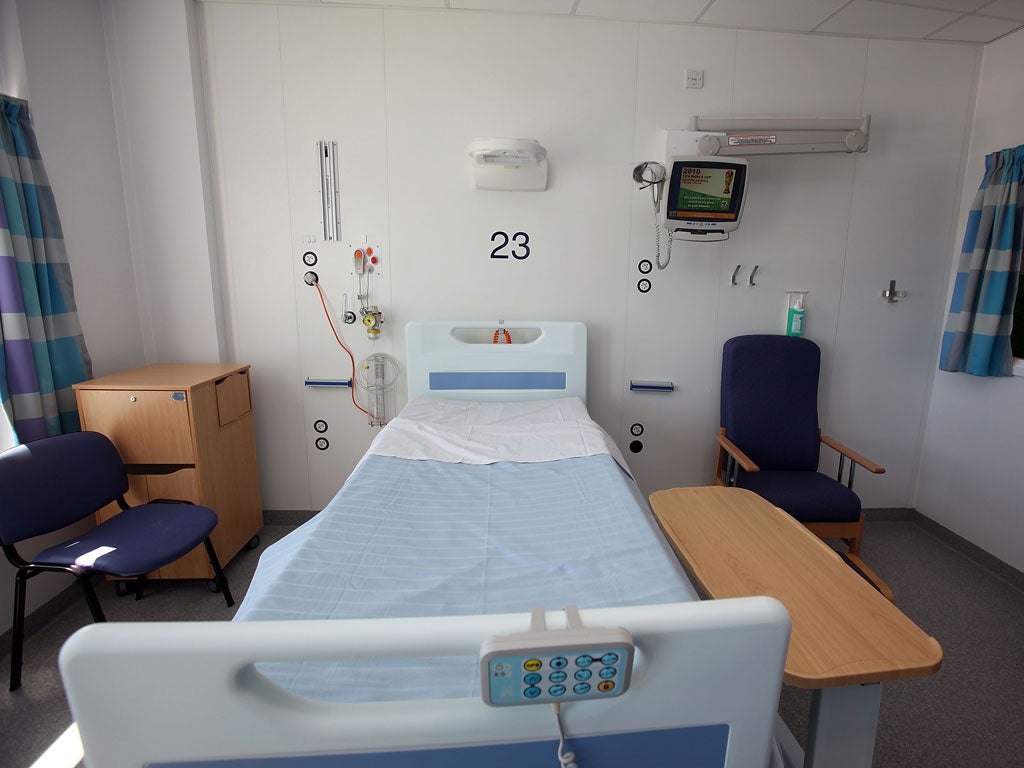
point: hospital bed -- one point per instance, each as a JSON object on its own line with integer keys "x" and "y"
{"x": 491, "y": 506}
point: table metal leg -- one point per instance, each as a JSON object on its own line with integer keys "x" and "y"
{"x": 842, "y": 725}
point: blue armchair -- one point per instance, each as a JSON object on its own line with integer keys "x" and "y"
{"x": 769, "y": 441}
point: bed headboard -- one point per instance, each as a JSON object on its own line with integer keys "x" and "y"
{"x": 459, "y": 359}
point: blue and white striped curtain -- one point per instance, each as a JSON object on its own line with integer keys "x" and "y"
{"x": 977, "y": 335}
{"x": 42, "y": 351}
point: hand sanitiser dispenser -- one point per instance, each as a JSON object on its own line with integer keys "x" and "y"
{"x": 795, "y": 313}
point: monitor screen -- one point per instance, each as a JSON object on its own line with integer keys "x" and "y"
{"x": 705, "y": 191}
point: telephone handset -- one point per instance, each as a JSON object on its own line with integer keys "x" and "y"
{"x": 652, "y": 174}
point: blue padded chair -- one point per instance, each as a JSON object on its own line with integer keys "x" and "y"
{"x": 769, "y": 440}
{"x": 51, "y": 483}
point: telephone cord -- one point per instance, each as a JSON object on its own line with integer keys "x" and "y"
{"x": 657, "y": 244}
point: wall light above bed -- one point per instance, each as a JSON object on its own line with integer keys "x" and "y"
{"x": 509, "y": 165}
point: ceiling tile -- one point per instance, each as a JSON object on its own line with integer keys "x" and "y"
{"x": 1009, "y": 9}
{"x": 642, "y": 10}
{"x": 963, "y": 6}
{"x": 874, "y": 19}
{"x": 790, "y": 15}
{"x": 976, "y": 29}
{"x": 391, "y": 3}
{"x": 514, "y": 6}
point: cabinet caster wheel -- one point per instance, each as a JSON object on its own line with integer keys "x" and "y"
{"x": 253, "y": 542}
{"x": 213, "y": 585}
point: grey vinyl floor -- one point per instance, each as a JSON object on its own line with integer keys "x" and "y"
{"x": 969, "y": 714}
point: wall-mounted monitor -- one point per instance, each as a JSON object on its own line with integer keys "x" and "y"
{"x": 705, "y": 196}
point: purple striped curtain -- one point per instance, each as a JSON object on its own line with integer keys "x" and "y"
{"x": 42, "y": 351}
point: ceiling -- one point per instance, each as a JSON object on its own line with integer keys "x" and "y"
{"x": 966, "y": 21}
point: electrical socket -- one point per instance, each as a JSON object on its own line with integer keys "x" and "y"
{"x": 695, "y": 78}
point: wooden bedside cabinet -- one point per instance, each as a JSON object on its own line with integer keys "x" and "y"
{"x": 186, "y": 432}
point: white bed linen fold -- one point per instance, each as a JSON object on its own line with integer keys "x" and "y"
{"x": 465, "y": 432}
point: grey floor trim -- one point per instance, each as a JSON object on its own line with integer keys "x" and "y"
{"x": 971, "y": 551}
{"x": 890, "y": 515}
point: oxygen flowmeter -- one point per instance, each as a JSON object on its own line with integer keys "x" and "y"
{"x": 373, "y": 318}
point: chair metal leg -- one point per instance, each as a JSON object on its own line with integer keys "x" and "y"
{"x": 18, "y": 629}
{"x": 140, "y": 583}
{"x": 84, "y": 579}
{"x": 218, "y": 572}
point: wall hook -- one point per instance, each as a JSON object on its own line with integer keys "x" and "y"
{"x": 892, "y": 295}
{"x": 736, "y": 272}
{"x": 750, "y": 280}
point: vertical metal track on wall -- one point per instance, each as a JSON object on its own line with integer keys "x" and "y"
{"x": 327, "y": 152}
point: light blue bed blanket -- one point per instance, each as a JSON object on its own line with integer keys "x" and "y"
{"x": 424, "y": 538}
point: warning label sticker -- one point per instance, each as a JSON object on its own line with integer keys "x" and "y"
{"x": 753, "y": 138}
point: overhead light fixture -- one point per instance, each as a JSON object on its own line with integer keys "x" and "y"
{"x": 511, "y": 165}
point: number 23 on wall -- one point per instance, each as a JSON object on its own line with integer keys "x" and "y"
{"x": 519, "y": 250}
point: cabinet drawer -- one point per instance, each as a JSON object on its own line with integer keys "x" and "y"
{"x": 147, "y": 426}
{"x": 233, "y": 397}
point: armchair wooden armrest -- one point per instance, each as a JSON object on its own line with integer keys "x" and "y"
{"x": 852, "y": 455}
{"x": 733, "y": 450}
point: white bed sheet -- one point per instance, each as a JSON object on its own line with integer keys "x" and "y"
{"x": 465, "y": 432}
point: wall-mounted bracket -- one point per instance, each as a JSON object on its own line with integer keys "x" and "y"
{"x": 778, "y": 135}
{"x": 892, "y": 295}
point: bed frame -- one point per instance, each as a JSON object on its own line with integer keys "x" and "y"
{"x": 461, "y": 360}
{"x": 704, "y": 692}
{"x": 704, "y": 688}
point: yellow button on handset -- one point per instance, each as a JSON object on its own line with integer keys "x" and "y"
{"x": 532, "y": 665}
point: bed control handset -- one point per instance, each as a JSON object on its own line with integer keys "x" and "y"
{"x": 545, "y": 666}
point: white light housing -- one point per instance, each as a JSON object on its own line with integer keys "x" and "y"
{"x": 511, "y": 165}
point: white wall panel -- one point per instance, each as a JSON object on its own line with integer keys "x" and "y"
{"x": 903, "y": 208}
{"x": 161, "y": 135}
{"x": 333, "y": 88}
{"x": 669, "y": 334}
{"x": 798, "y": 206}
{"x": 781, "y": 74}
{"x": 244, "y": 76}
{"x": 570, "y": 84}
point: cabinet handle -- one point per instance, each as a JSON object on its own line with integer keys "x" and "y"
{"x": 133, "y": 399}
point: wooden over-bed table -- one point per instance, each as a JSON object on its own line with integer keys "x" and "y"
{"x": 847, "y": 639}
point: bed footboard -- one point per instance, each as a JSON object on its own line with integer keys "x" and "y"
{"x": 705, "y": 685}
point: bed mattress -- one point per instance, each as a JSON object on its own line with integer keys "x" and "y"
{"x": 426, "y": 537}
